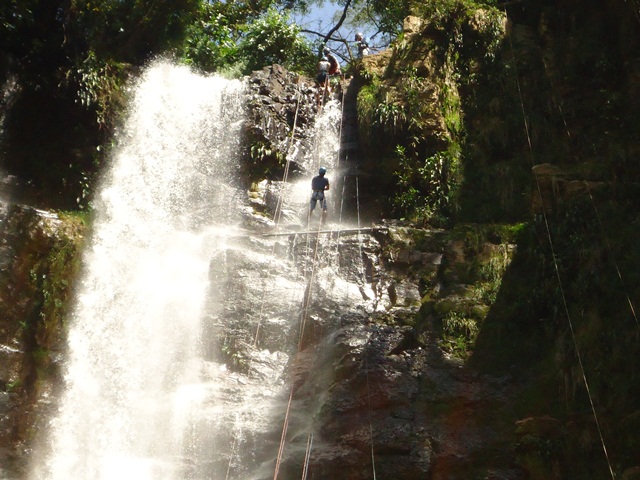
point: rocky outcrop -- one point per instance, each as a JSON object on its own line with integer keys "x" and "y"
{"x": 555, "y": 185}
{"x": 383, "y": 392}
{"x": 38, "y": 265}
{"x": 282, "y": 108}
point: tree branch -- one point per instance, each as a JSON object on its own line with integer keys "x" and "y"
{"x": 339, "y": 24}
{"x": 335, "y": 39}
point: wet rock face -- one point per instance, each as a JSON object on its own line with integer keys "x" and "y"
{"x": 282, "y": 109}
{"x": 373, "y": 390}
{"x": 36, "y": 270}
{"x": 332, "y": 315}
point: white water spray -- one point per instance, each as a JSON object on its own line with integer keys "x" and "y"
{"x": 134, "y": 340}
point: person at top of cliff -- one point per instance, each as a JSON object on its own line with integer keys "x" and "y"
{"x": 362, "y": 44}
{"x": 319, "y": 184}
{"x": 334, "y": 65}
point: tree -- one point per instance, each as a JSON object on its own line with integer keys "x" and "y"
{"x": 211, "y": 41}
{"x": 380, "y": 19}
{"x": 67, "y": 61}
{"x": 271, "y": 39}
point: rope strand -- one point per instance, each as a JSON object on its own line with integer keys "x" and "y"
{"x": 557, "y": 269}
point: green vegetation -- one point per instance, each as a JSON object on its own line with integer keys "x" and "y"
{"x": 70, "y": 63}
{"x": 414, "y": 112}
{"x": 451, "y": 125}
{"x": 66, "y": 64}
{"x": 273, "y": 39}
{"x": 458, "y": 333}
{"x": 216, "y": 43}
{"x": 36, "y": 290}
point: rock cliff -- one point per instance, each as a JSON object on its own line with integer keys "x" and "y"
{"x": 466, "y": 357}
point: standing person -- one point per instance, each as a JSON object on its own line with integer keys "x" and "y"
{"x": 334, "y": 68}
{"x": 323, "y": 71}
{"x": 363, "y": 45}
{"x": 322, "y": 80}
{"x": 319, "y": 184}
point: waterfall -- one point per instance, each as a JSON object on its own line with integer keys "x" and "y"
{"x": 135, "y": 341}
{"x": 185, "y": 324}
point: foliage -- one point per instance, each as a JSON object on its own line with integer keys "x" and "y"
{"x": 428, "y": 186}
{"x": 69, "y": 62}
{"x": 266, "y": 160}
{"x": 366, "y": 106}
{"x": 272, "y": 38}
{"x": 390, "y": 14}
{"x": 55, "y": 274}
{"x": 99, "y": 86}
{"x": 458, "y": 333}
{"x": 211, "y": 39}
{"x": 233, "y": 37}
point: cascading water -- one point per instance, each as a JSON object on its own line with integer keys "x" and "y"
{"x": 134, "y": 340}
{"x": 184, "y": 324}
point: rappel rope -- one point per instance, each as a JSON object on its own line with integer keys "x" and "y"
{"x": 366, "y": 346}
{"x": 615, "y": 262}
{"x": 233, "y": 447}
{"x": 278, "y": 212}
{"x": 557, "y": 269}
{"x": 285, "y": 426}
{"x": 304, "y": 317}
{"x": 307, "y": 457}
{"x": 279, "y": 203}
{"x": 363, "y": 280}
{"x": 277, "y": 218}
{"x": 303, "y": 321}
{"x": 595, "y": 208}
{"x": 366, "y": 367}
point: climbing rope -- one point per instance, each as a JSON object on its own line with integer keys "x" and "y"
{"x": 277, "y": 219}
{"x": 593, "y": 204}
{"x": 307, "y": 456}
{"x": 557, "y": 269}
{"x": 613, "y": 257}
{"x": 284, "y": 434}
{"x": 280, "y": 202}
{"x": 366, "y": 368}
{"x": 366, "y": 347}
{"x": 304, "y": 317}
{"x": 233, "y": 447}
{"x": 278, "y": 211}
{"x": 303, "y": 321}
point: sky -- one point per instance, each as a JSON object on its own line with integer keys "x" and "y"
{"x": 321, "y": 19}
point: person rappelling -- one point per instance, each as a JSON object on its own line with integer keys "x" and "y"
{"x": 319, "y": 184}
{"x": 322, "y": 79}
{"x": 328, "y": 66}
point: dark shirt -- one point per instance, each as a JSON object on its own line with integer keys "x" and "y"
{"x": 319, "y": 182}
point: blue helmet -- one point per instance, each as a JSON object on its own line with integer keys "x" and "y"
{"x": 322, "y": 171}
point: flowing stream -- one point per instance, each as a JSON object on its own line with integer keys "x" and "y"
{"x": 183, "y": 323}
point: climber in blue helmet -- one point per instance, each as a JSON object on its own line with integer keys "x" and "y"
{"x": 319, "y": 184}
